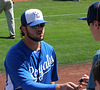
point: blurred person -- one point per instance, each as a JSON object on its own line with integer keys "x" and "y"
{"x": 7, "y": 7}
{"x": 96, "y": 75}
{"x": 93, "y": 20}
{"x": 31, "y": 63}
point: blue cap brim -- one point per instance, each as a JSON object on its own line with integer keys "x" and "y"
{"x": 37, "y": 22}
{"x": 83, "y": 18}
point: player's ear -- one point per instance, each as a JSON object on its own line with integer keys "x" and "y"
{"x": 97, "y": 83}
{"x": 96, "y": 25}
{"x": 23, "y": 29}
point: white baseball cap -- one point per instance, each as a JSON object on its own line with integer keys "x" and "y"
{"x": 32, "y": 17}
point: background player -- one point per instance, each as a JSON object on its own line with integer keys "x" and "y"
{"x": 7, "y": 6}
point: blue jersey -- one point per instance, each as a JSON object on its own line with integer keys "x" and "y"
{"x": 91, "y": 84}
{"x": 30, "y": 70}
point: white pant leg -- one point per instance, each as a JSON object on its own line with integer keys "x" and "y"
{"x": 10, "y": 17}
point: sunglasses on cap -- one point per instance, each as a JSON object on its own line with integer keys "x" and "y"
{"x": 38, "y": 26}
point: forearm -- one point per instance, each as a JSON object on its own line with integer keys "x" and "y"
{"x": 37, "y": 86}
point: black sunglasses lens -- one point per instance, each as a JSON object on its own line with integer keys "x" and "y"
{"x": 39, "y": 25}
{"x": 42, "y": 24}
{"x": 34, "y": 27}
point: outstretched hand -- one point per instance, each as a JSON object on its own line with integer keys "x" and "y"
{"x": 67, "y": 86}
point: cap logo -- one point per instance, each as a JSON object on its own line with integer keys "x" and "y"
{"x": 36, "y": 14}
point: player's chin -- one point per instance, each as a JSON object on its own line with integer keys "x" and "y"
{"x": 41, "y": 38}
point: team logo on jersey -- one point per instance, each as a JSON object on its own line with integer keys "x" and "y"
{"x": 43, "y": 69}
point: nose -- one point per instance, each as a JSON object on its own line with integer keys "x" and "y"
{"x": 40, "y": 28}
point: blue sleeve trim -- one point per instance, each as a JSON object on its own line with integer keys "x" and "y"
{"x": 31, "y": 85}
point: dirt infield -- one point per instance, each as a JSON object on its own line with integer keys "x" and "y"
{"x": 66, "y": 73}
{"x": 72, "y": 73}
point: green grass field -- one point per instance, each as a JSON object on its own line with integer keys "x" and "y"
{"x": 70, "y": 37}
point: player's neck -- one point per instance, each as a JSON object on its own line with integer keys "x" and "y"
{"x": 33, "y": 45}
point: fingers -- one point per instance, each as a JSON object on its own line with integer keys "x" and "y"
{"x": 72, "y": 86}
{"x": 84, "y": 79}
{"x": 67, "y": 86}
{"x": 84, "y": 84}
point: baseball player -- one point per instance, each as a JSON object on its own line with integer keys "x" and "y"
{"x": 93, "y": 20}
{"x": 7, "y": 6}
{"x": 31, "y": 63}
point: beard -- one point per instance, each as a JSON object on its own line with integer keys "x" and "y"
{"x": 37, "y": 39}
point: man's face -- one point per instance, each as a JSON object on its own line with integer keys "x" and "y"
{"x": 95, "y": 30}
{"x": 35, "y": 34}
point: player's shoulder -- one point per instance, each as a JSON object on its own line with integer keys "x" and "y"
{"x": 45, "y": 44}
{"x": 98, "y": 52}
{"x": 18, "y": 47}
